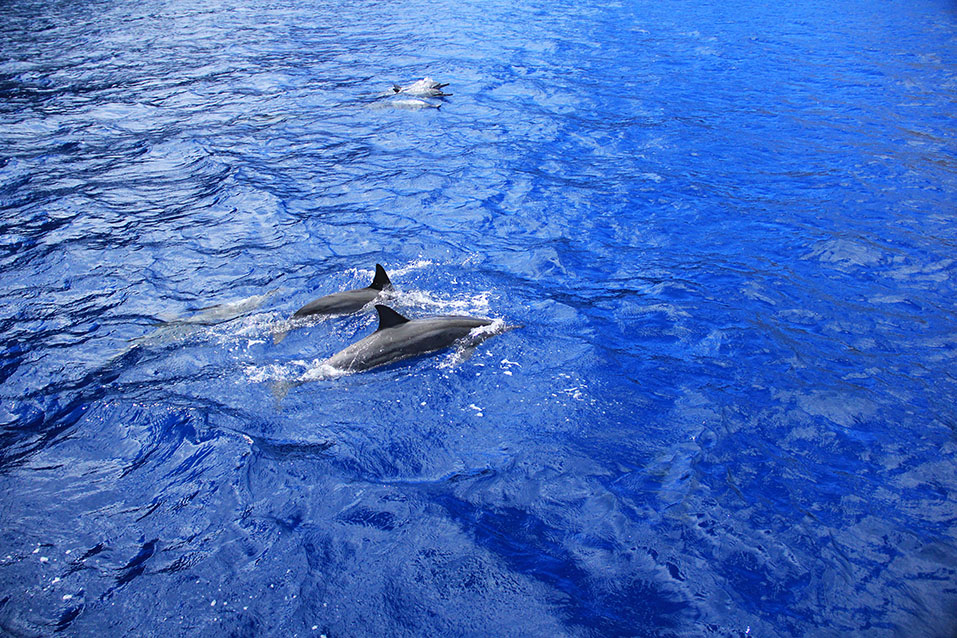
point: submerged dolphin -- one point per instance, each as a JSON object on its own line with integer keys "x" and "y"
{"x": 174, "y": 329}
{"x": 342, "y": 303}
{"x": 426, "y": 87}
{"x": 221, "y": 313}
{"x": 400, "y": 338}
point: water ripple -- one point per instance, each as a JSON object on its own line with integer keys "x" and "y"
{"x": 726, "y": 230}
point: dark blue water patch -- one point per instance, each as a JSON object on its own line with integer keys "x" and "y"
{"x": 532, "y": 548}
{"x": 36, "y": 428}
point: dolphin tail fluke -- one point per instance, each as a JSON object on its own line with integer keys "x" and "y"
{"x": 280, "y": 389}
{"x": 279, "y": 335}
{"x": 381, "y": 280}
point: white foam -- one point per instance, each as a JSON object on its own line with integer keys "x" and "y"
{"x": 497, "y": 326}
{"x": 319, "y": 371}
{"x": 429, "y": 303}
{"x": 415, "y": 265}
{"x": 274, "y": 372}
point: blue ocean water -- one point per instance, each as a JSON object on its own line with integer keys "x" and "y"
{"x": 727, "y": 232}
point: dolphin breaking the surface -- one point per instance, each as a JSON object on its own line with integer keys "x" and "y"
{"x": 400, "y": 338}
{"x": 426, "y": 87}
{"x": 349, "y": 301}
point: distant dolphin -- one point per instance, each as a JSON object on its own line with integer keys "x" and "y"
{"x": 400, "y": 338}
{"x": 343, "y": 303}
{"x": 426, "y": 87}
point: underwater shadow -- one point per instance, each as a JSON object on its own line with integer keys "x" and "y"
{"x": 529, "y": 546}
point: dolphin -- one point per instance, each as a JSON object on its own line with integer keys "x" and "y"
{"x": 175, "y": 329}
{"x": 426, "y": 87}
{"x": 221, "y": 313}
{"x": 343, "y": 303}
{"x": 400, "y": 338}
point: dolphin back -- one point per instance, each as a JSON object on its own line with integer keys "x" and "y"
{"x": 349, "y": 301}
{"x": 339, "y": 303}
{"x": 399, "y": 338}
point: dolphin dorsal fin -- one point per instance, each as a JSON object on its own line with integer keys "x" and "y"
{"x": 389, "y": 318}
{"x": 381, "y": 279}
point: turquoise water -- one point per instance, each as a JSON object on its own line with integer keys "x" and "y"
{"x": 726, "y": 231}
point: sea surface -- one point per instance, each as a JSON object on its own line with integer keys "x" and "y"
{"x": 724, "y": 235}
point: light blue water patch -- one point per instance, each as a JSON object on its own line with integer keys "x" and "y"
{"x": 725, "y": 231}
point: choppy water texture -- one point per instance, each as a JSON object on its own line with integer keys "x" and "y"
{"x": 726, "y": 229}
